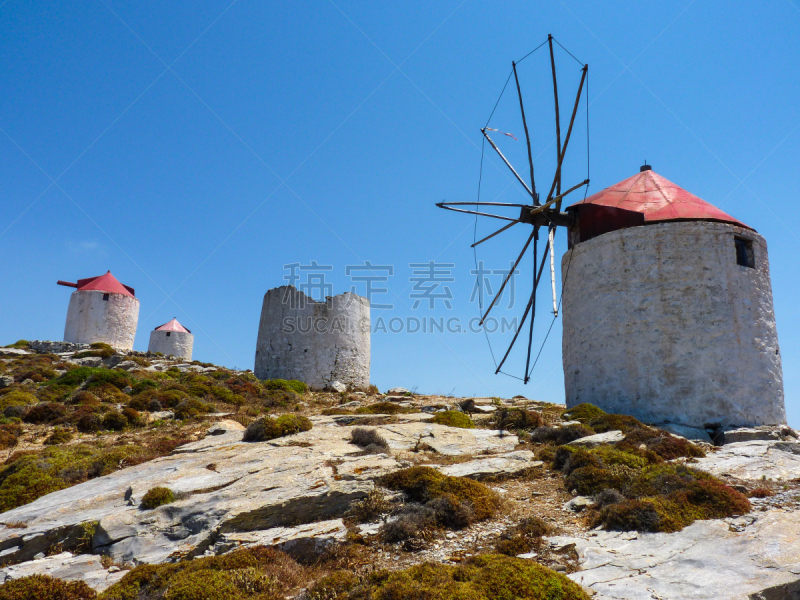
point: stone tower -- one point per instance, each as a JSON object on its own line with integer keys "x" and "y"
{"x": 667, "y": 307}
{"x": 172, "y": 339}
{"x": 315, "y": 342}
{"x": 101, "y": 309}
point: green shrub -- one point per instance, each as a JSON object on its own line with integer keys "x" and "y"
{"x": 383, "y": 408}
{"x": 559, "y": 435}
{"x": 133, "y": 416}
{"x": 75, "y": 377}
{"x": 484, "y": 577}
{"x": 115, "y": 421}
{"x": 157, "y": 496}
{"x": 273, "y": 398}
{"x": 9, "y": 435}
{"x": 17, "y": 398}
{"x": 45, "y": 412}
{"x": 423, "y": 484}
{"x": 44, "y": 587}
{"x": 142, "y": 385}
{"x": 58, "y": 436}
{"x": 291, "y": 385}
{"x": 516, "y": 419}
{"x": 26, "y": 477}
{"x": 453, "y": 418}
{"x": 666, "y": 446}
{"x": 523, "y": 537}
{"x": 191, "y": 407}
{"x": 259, "y": 573}
{"x": 100, "y": 349}
{"x": 583, "y": 412}
{"x": 610, "y": 422}
{"x": 267, "y": 428}
{"x": 53, "y": 393}
{"x": 20, "y": 345}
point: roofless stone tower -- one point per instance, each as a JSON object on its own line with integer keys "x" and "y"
{"x": 315, "y": 342}
{"x": 667, "y": 307}
{"x": 101, "y": 309}
{"x": 172, "y": 338}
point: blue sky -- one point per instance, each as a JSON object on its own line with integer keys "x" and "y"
{"x": 196, "y": 148}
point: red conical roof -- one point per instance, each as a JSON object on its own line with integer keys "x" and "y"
{"x": 173, "y": 326}
{"x": 102, "y": 283}
{"x": 658, "y": 199}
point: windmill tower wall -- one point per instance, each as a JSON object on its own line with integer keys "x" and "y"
{"x": 96, "y": 316}
{"x": 660, "y": 322}
{"x": 175, "y": 343}
{"x": 315, "y": 342}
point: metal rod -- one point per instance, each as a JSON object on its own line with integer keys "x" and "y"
{"x": 527, "y": 137}
{"x": 472, "y": 212}
{"x": 482, "y": 204}
{"x": 533, "y": 316}
{"x": 558, "y": 198}
{"x": 508, "y": 164}
{"x": 551, "y": 241}
{"x": 525, "y": 314}
{"x": 569, "y": 132}
{"x": 510, "y": 274}
{"x": 558, "y": 117}
{"x": 488, "y": 237}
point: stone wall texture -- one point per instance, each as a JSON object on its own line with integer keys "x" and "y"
{"x": 314, "y": 342}
{"x": 660, "y": 322}
{"x": 176, "y": 343}
{"x": 92, "y": 319}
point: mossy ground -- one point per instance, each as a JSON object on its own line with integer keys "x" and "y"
{"x": 453, "y": 418}
{"x": 485, "y": 577}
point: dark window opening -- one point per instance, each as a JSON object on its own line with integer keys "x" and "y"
{"x": 168, "y": 334}
{"x": 105, "y": 297}
{"x": 744, "y": 252}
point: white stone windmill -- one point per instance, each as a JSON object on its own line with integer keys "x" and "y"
{"x": 667, "y": 300}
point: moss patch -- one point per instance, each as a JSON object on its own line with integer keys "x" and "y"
{"x": 291, "y": 385}
{"x": 258, "y": 573}
{"x": 453, "y": 418}
{"x": 157, "y": 496}
{"x": 485, "y": 577}
{"x": 423, "y": 484}
{"x": 267, "y": 428}
{"x": 44, "y": 587}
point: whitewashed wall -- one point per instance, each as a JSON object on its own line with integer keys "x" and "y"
{"x": 92, "y": 319}
{"x": 177, "y": 343}
{"x": 314, "y": 342}
{"x": 661, "y": 323}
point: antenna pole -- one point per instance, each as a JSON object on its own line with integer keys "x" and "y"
{"x": 527, "y": 137}
{"x": 508, "y": 164}
{"x": 558, "y": 117}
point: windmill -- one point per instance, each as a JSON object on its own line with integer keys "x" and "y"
{"x": 536, "y": 213}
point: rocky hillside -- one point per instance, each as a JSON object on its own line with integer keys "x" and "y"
{"x": 135, "y": 476}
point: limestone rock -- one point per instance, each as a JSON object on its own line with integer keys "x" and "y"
{"x": 578, "y": 503}
{"x": 128, "y": 365}
{"x": 397, "y": 391}
{"x": 6, "y": 380}
{"x": 14, "y": 351}
{"x": 705, "y": 560}
{"x": 301, "y": 541}
{"x": 507, "y": 464}
{"x": 779, "y": 461}
{"x": 590, "y": 441}
{"x": 338, "y": 386}
{"x": 749, "y": 434}
{"x": 227, "y": 487}
{"x": 83, "y": 567}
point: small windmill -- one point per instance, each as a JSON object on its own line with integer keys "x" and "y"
{"x": 537, "y": 214}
